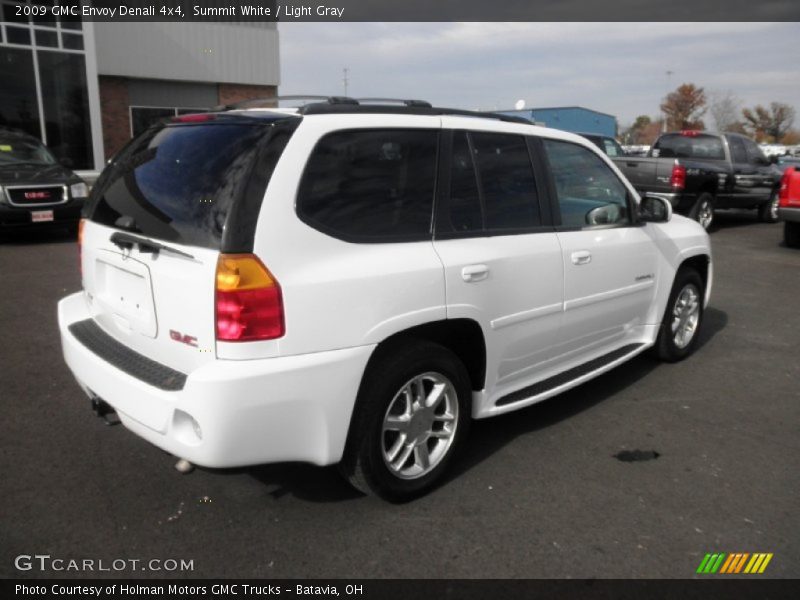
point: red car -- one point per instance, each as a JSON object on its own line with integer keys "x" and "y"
{"x": 789, "y": 206}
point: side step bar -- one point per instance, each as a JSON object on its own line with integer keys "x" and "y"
{"x": 558, "y": 380}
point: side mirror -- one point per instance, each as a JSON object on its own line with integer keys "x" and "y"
{"x": 655, "y": 209}
{"x": 773, "y": 160}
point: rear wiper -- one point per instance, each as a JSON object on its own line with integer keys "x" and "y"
{"x": 126, "y": 241}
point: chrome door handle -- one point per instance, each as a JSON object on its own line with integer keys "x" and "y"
{"x": 472, "y": 273}
{"x": 582, "y": 257}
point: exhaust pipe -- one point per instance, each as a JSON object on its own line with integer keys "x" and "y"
{"x": 105, "y": 411}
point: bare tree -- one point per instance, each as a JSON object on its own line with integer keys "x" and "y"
{"x": 772, "y": 123}
{"x": 725, "y": 108}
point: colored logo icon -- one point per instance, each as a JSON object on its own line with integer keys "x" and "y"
{"x": 737, "y": 562}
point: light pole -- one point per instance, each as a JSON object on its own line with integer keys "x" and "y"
{"x": 664, "y": 124}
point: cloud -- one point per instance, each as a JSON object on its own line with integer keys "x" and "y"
{"x": 619, "y": 68}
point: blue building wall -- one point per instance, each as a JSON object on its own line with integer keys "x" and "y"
{"x": 570, "y": 118}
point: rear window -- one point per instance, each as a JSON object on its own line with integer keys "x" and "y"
{"x": 707, "y": 147}
{"x": 178, "y": 182}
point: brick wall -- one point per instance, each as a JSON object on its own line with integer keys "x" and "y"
{"x": 114, "y": 113}
{"x": 234, "y": 92}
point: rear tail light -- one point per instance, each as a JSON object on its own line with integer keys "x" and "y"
{"x": 678, "y": 177}
{"x": 689, "y": 133}
{"x": 81, "y": 223}
{"x": 783, "y": 194}
{"x": 249, "y": 303}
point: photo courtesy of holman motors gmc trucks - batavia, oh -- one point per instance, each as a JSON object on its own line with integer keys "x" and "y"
{"x": 351, "y": 283}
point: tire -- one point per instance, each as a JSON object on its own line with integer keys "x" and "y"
{"x": 768, "y": 212}
{"x": 381, "y": 426}
{"x": 703, "y": 210}
{"x": 791, "y": 234}
{"x": 684, "y": 308}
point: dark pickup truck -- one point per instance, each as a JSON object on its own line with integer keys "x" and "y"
{"x": 699, "y": 172}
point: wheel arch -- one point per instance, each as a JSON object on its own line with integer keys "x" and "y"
{"x": 463, "y": 337}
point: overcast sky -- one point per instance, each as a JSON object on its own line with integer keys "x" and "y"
{"x": 617, "y": 68}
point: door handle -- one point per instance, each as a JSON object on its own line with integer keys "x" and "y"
{"x": 582, "y": 257}
{"x": 472, "y": 273}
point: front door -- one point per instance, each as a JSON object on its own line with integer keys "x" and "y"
{"x": 610, "y": 262}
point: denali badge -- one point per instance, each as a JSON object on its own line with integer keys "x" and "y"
{"x": 644, "y": 277}
{"x": 189, "y": 340}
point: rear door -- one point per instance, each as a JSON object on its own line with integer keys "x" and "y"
{"x": 610, "y": 263}
{"x": 501, "y": 257}
{"x": 150, "y": 248}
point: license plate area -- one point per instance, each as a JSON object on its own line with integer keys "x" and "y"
{"x": 41, "y": 216}
{"x": 124, "y": 293}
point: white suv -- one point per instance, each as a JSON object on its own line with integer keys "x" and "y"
{"x": 350, "y": 283}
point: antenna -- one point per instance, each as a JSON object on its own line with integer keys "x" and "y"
{"x": 345, "y": 79}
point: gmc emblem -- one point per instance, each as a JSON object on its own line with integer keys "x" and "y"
{"x": 189, "y": 340}
{"x": 36, "y": 195}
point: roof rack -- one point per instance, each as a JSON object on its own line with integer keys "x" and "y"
{"x": 343, "y": 104}
{"x": 420, "y": 103}
{"x": 272, "y": 101}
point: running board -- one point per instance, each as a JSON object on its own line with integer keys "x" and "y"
{"x": 563, "y": 378}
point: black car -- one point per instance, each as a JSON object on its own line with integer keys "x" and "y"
{"x": 35, "y": 190}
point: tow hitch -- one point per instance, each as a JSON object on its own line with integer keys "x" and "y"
{"x": 105, "y": 411}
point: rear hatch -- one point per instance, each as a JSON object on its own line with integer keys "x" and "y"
{"x": 158, "y": 219}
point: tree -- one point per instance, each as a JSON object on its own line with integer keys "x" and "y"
{"x": 634, "y": 133}
{"x": 684, "y": 107}
{"x": 725, "y": 108}
{"x": 771, "y": 124}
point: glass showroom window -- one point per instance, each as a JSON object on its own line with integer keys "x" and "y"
{"x": 44, "y": 90}
{"x": 143, "y": 117}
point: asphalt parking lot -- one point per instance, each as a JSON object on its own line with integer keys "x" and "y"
{"x": 539, "y": 493}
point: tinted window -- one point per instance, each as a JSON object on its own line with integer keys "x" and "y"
{"x": 506, "y": 180}
{"x": 754, "y": 153}
{"x": 738, "y": 153}
{"x": 177, "y": 182}
{"x": 464, "y": 205}
{"x": 676, "y": 145}
{"x": 589, "y": 193}
{"x": 371, "y": 185}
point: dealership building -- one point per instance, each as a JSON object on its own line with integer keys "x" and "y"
{"x": 85, "y": 88}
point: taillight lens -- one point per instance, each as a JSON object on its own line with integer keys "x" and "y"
{"x": 678, "y": 178}
{"x": 81, "y": 223}
{"x": 783, "y": 194}
{"x": 249, "y": 303}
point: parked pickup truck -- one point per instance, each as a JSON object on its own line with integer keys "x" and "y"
{"x": 699, "y": 172}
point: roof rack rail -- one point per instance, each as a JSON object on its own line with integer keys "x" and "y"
{"x": 420, "y": 103}
{"x": 272, "y": 101}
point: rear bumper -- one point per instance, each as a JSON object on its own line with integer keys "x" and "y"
{"x": 15, "y": 218}
{"x": 294, "y": 408}
{"x": 789, "y": 214}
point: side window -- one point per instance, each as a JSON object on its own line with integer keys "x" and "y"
{"x": 738, "y": 153}
{"x": 589, "y": 193}
{"x": 754, "y": 153}
{"x": 371, "y": 185}
{"x": 465, "y": 204}
{"x": 612, "y": 148}
{"x": 506, "y": 179}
